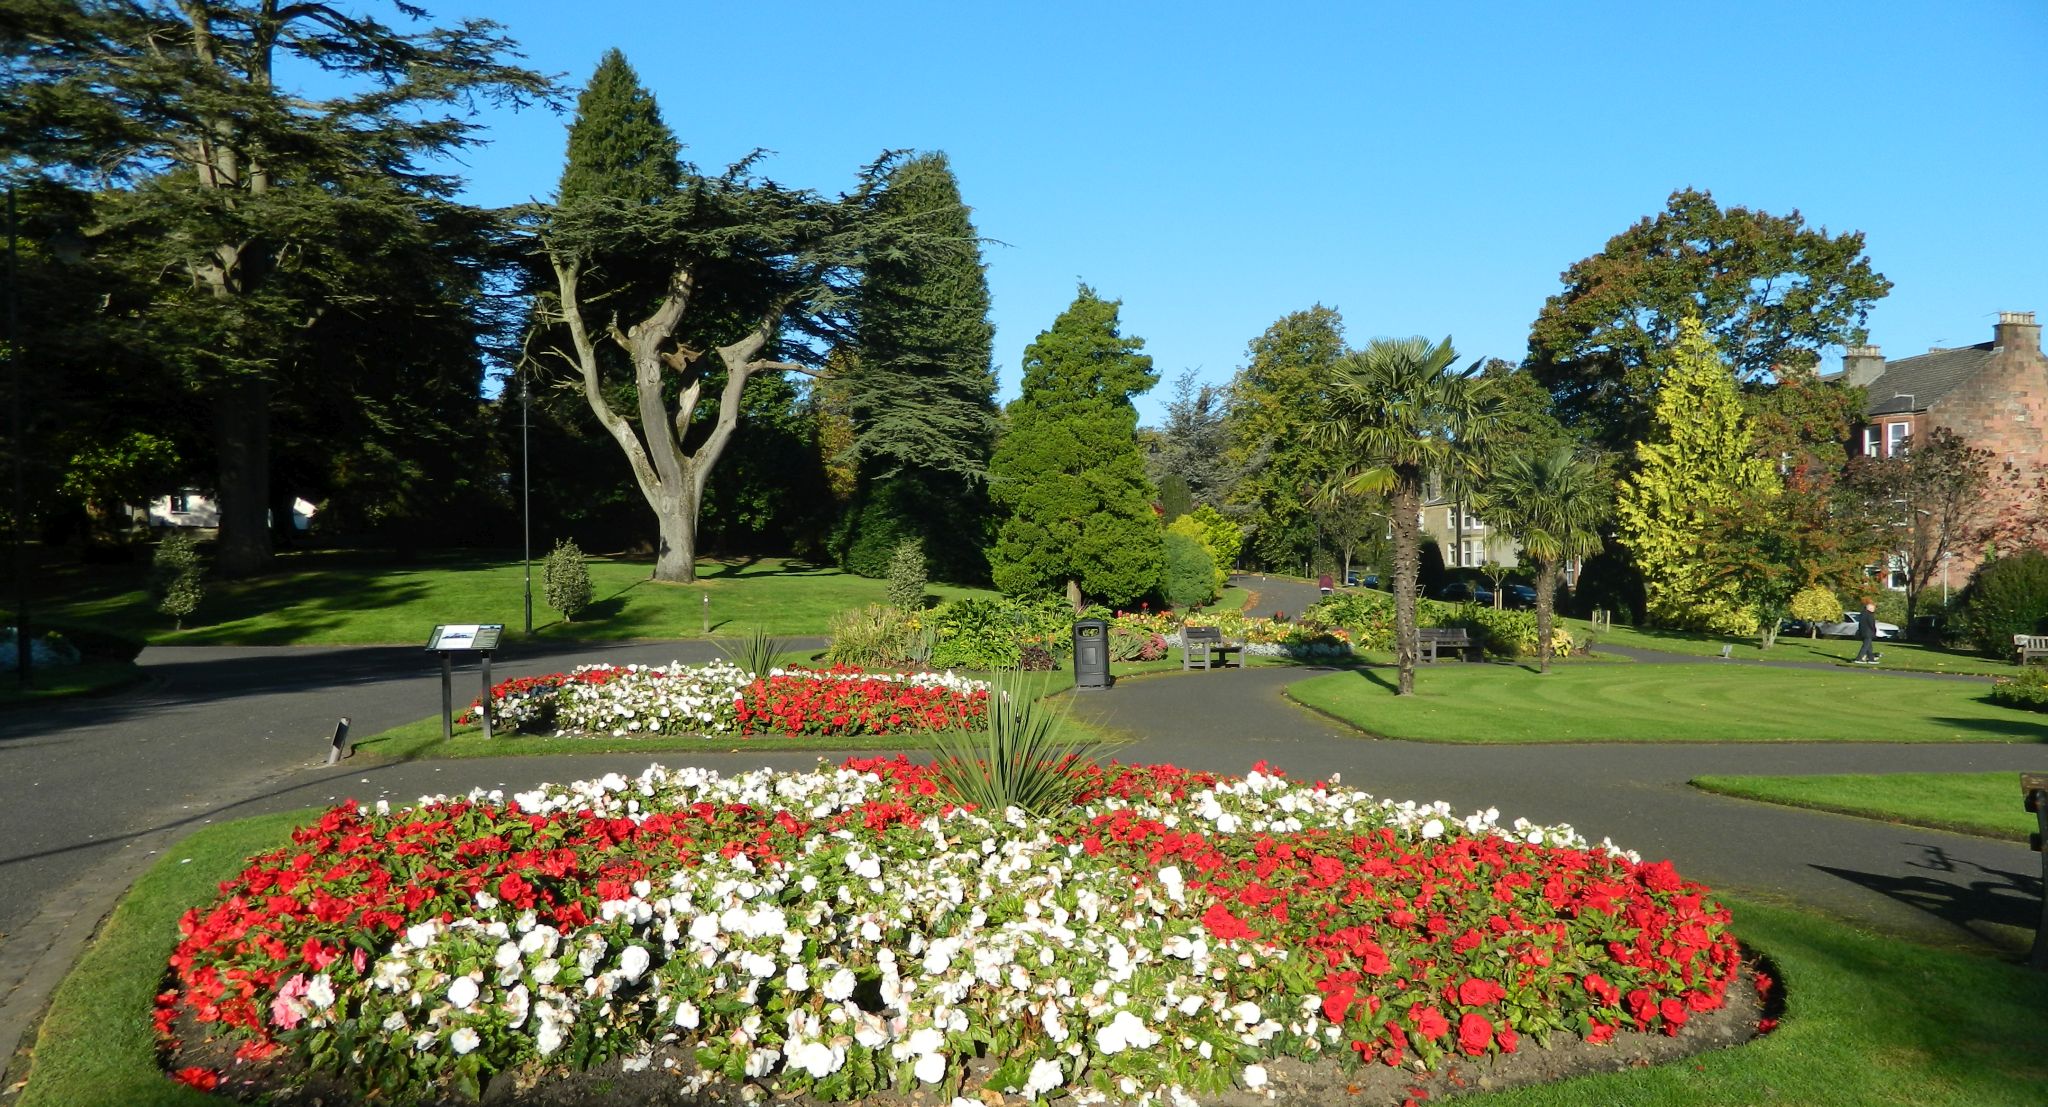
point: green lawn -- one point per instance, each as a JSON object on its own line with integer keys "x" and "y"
{"x": 1972, "y": 803}
{"x": 1870, "y": 1021}
{"x": 1909, "y": 656}
{"x": 1665, "y": 703}
{"x": 87, "y": 678}
{"x": 353, "y": 598}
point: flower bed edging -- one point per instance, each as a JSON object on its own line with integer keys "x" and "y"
{"x": 868, "y": 937}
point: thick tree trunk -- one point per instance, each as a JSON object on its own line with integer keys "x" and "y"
{"x": 241, "y": 421}
{"x": 1074, "y": 596}
{"x": 1405, "y": 503}
{"x": 676, "y": 559}
{"x": 1546, "y": 588}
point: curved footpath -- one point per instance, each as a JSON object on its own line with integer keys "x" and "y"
{"x": 94, "y": 791}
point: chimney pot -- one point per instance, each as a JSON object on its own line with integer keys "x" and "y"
{"x": 1861, "y": 365}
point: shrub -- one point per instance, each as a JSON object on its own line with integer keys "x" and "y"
{"x": 2027, "y": 691}
{"x": 990, "y": 634}
{"x": 907, "y": 575}
{"x": 565, "y": 579}
{"x": 176, "y": 579}
{"x": 1190, "y": 572}
{"x": 755, "y": 653}
{"x": 2008, "y": 596}
{"x": 875, "y": 636}
{"x": 1817, "y": 605}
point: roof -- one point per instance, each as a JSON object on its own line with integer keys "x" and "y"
{"x": 1916, "y": 383}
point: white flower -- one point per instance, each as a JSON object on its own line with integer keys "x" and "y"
{"x": 816, "y": 1058}
{"x": 797, "y": 979}
{"x": 1125, "y": 1031}
{"x": 1434, "y": 828}
{"x": 761, "y": 1062}
{"x": 840, "y": 985}
{"x": 462, "y": 993}
{"x": 1255, "y": 1076}
{"x": 633, "y": 962}
{"x": 931, "y": 1068}
{"x": 686, "y": 1015}
{"x": 320, "y": 992}
{"x": 464, "y": 1040}
{"x": 1045, "y": 1076}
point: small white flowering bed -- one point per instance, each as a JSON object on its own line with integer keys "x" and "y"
{"x": 847, "y": 933}
{"x": 722, "y": 700}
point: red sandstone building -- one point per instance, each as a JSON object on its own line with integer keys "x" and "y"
{"x": 1994, "y": 394}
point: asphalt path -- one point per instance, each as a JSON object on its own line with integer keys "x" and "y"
{"x": 95, "y": 790}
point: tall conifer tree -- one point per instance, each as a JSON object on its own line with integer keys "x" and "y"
{"x": 1069, "y": 470}
{"x": 921, "y": 393}
{"x": 1696, "y": 462}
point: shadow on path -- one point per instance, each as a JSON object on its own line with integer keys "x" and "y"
{"x": 1965, "y": 894}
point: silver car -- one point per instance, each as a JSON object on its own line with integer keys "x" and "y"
{"x": 1847, "y": 628}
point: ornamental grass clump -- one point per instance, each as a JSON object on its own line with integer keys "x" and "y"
{"x": 857, "y": 932}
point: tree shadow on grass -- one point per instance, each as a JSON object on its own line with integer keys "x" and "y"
{"x": 1380, "y": 677}
{"x": 2029, "y": 730}
{"x": 1981, "y": 901}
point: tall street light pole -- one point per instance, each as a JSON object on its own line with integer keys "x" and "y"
{"x": 23, "y": 653}
{"x": 526, "y": 497}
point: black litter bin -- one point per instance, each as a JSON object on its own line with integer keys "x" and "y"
{"x": 1091, "y": 653}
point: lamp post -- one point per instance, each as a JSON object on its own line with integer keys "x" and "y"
{"x": 23, "y": 652}
{"x": 526, "y": 498}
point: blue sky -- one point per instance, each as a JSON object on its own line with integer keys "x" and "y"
{"x": 1427, "y": 168}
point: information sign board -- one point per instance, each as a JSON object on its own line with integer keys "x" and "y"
{"x": 466, "y": 636}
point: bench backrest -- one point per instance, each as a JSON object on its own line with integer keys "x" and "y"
{"x": 1444, "y": 634}
{"x": 1201, "y": 634}
{"x": 2031, "y": 641}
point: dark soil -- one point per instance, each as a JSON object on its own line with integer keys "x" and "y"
{"x": 667, "y": 1081}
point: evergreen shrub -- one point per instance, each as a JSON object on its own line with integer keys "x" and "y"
{"x": 1190, "y": 572}
{"x": 177, "y": 583}
{"x": 565, "y": 580}
{"x": 2006, "y": 597}
{"x": 878, "y": 636}
{"x": 2028, "y": 690}
{"x": 907, "y": 575}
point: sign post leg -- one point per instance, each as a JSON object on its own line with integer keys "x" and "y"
{"x": 484, "y": 711}
{"x": 447, "y": 697}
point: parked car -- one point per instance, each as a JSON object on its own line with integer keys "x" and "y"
{"x": 1847, "y": 628}
{"x": 1519, "y": 597}
{"x": 1464, "y": 591}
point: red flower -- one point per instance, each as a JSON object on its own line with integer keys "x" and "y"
{"x": 204, "y": 1080}
{"x": 1474, "y": 1033}
{"x": 1602, "y": 1032}
{"x": 1337, "y": 1002}
{"x": 1223, "y": 925}
{"x": 1429, "y": 1022}
{"x": 1507, "y": 1038}
{"x": 1475, "y": 992}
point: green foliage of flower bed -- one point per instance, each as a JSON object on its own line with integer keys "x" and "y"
{"x": 2026, "y": 689}
{"x": 1369, "y": 617}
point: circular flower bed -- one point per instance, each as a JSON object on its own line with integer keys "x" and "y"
{"x": 723, "y": 700}
{"x": 846, "y": 933}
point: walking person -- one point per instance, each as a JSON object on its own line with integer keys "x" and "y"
{"x": 1866, "y": 629}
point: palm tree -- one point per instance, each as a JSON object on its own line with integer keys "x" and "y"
{"x": 1395, "y": 412}
{"x": 1553, "y": 502}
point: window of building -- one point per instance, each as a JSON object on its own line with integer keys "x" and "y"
{"x": 1895, "y": 438}
{"x": 1870, "y": 440}
{"x": 181, "y": 503}
{"x": 1895, "y": 577}
{"x": 1474, "y": 552}
{"x": 1472, "y": 521}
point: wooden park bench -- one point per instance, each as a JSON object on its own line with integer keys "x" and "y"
{"x": 1204, "y": 648}
{"x": 2034, "y": 786}
{"x": 1436, "y": 639}
{"x": 2031, "y": 647}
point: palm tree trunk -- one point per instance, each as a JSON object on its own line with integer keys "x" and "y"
{"x": 1405, "y": 502}
{"x": 1546, "y": 587}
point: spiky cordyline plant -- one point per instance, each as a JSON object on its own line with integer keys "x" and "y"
{"x": 755, "y": 653}
{"x": 1019, "y": 757}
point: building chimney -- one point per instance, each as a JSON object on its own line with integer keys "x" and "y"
{"x": 2017, "y": 331}
{"x": 1861, "y": 365}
